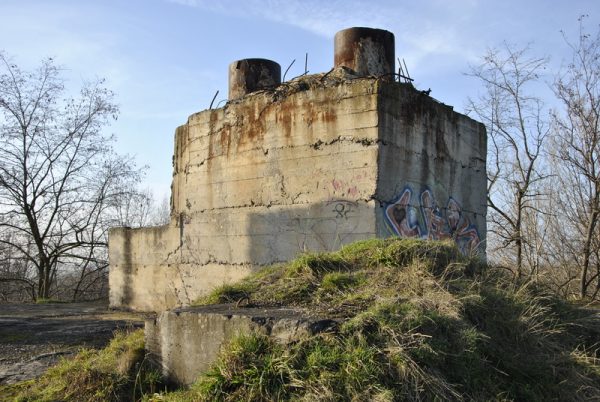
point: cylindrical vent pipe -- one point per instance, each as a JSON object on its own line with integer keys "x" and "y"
{"x": 367, "y": 51}
{"x": 250, "y": 75}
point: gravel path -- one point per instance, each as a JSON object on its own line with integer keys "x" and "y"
{"x": 34, "y": 337}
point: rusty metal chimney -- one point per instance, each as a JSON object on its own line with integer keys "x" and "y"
{"x": 250, "y": 75}
{"x": 367, "y": 51}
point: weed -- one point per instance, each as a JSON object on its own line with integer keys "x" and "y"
{"x": 118, "y": 372}
{"x": 419, "y": 321}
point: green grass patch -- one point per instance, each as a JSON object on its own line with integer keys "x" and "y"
{"x": 419, "y": 321}
{"x": 116, "y": 373}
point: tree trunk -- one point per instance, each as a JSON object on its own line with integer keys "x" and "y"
{"x": 519, "y": 234}
{"x": 583, "y": 284}
{"x": 44, "y": 281}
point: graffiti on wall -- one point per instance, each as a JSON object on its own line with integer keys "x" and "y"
{"x": 426, "y": 220}
{"x": 341, "y": 208}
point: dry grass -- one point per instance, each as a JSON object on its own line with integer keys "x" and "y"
{"x": 419, "y": 322}
{"x": 117, "y": 373}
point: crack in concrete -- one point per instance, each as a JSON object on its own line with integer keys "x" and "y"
{"x": 253, "y": 204}
{"x": 363, "y": 141}
{"x": 215, "y": 261}
{"x": 316, "y": 145}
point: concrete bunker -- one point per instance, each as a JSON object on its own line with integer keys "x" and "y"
{"x": 306, "y": 165}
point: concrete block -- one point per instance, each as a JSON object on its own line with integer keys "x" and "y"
{"x": 185, "y": 342}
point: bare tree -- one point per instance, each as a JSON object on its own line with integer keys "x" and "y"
{"x": 517, "y": 127}
{"x": 16, "y": 281}
{"x": 59, "y": 175}
{"x": 576, "y": 153}
{"x": 162, "y": 212}
{"x": 135, "y": 208}
{"x": 139, "y": 208}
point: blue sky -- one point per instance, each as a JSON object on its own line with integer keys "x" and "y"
{"x": 165, "y": 59}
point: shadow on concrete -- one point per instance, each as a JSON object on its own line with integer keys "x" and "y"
{"x": 282, "y": 232}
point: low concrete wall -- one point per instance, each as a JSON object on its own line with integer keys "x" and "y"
{"x": 148, "y": 273}
{"x": 154, "y": 269}
{"x": 185, "y": 342}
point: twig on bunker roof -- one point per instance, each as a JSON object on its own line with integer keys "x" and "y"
{"x": 326, "y": 74}
{"x": 407, "y": 80}
{"x": 287, "y": 69}
{"x": 403, "y": 71}
{"x": 221, "y": 101}
{"x": 213, "y": 99}
{"x": 406, "y": 69}
{"x": 306, "y": 64}
{"x": 400, "y": 70}
{"x": 298, "y": 76}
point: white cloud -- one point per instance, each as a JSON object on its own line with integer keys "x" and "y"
{"x": 314, "y": 16}
{"x": 422, "y": 29}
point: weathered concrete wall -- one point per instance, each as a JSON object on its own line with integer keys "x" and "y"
{"x": 432, "y": 179}
{"x": 279, "y": 172}
{"x": 185, "y": 342}
{"x": 143, "y": 276}
{"x": 264, "y": 152}
{"x": 254, "y": 183}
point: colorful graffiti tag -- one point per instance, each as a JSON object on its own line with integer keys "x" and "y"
{"x": 426, "y": 220}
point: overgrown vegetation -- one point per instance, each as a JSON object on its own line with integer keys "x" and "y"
{"x": 542, "y": 138}
{"x": 117, "y": 373}
{"x": 416, "y": 321}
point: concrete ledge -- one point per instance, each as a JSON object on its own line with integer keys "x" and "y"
{"x": 185, "y": 342}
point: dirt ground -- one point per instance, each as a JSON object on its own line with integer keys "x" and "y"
{"x": 34, "y": 337}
